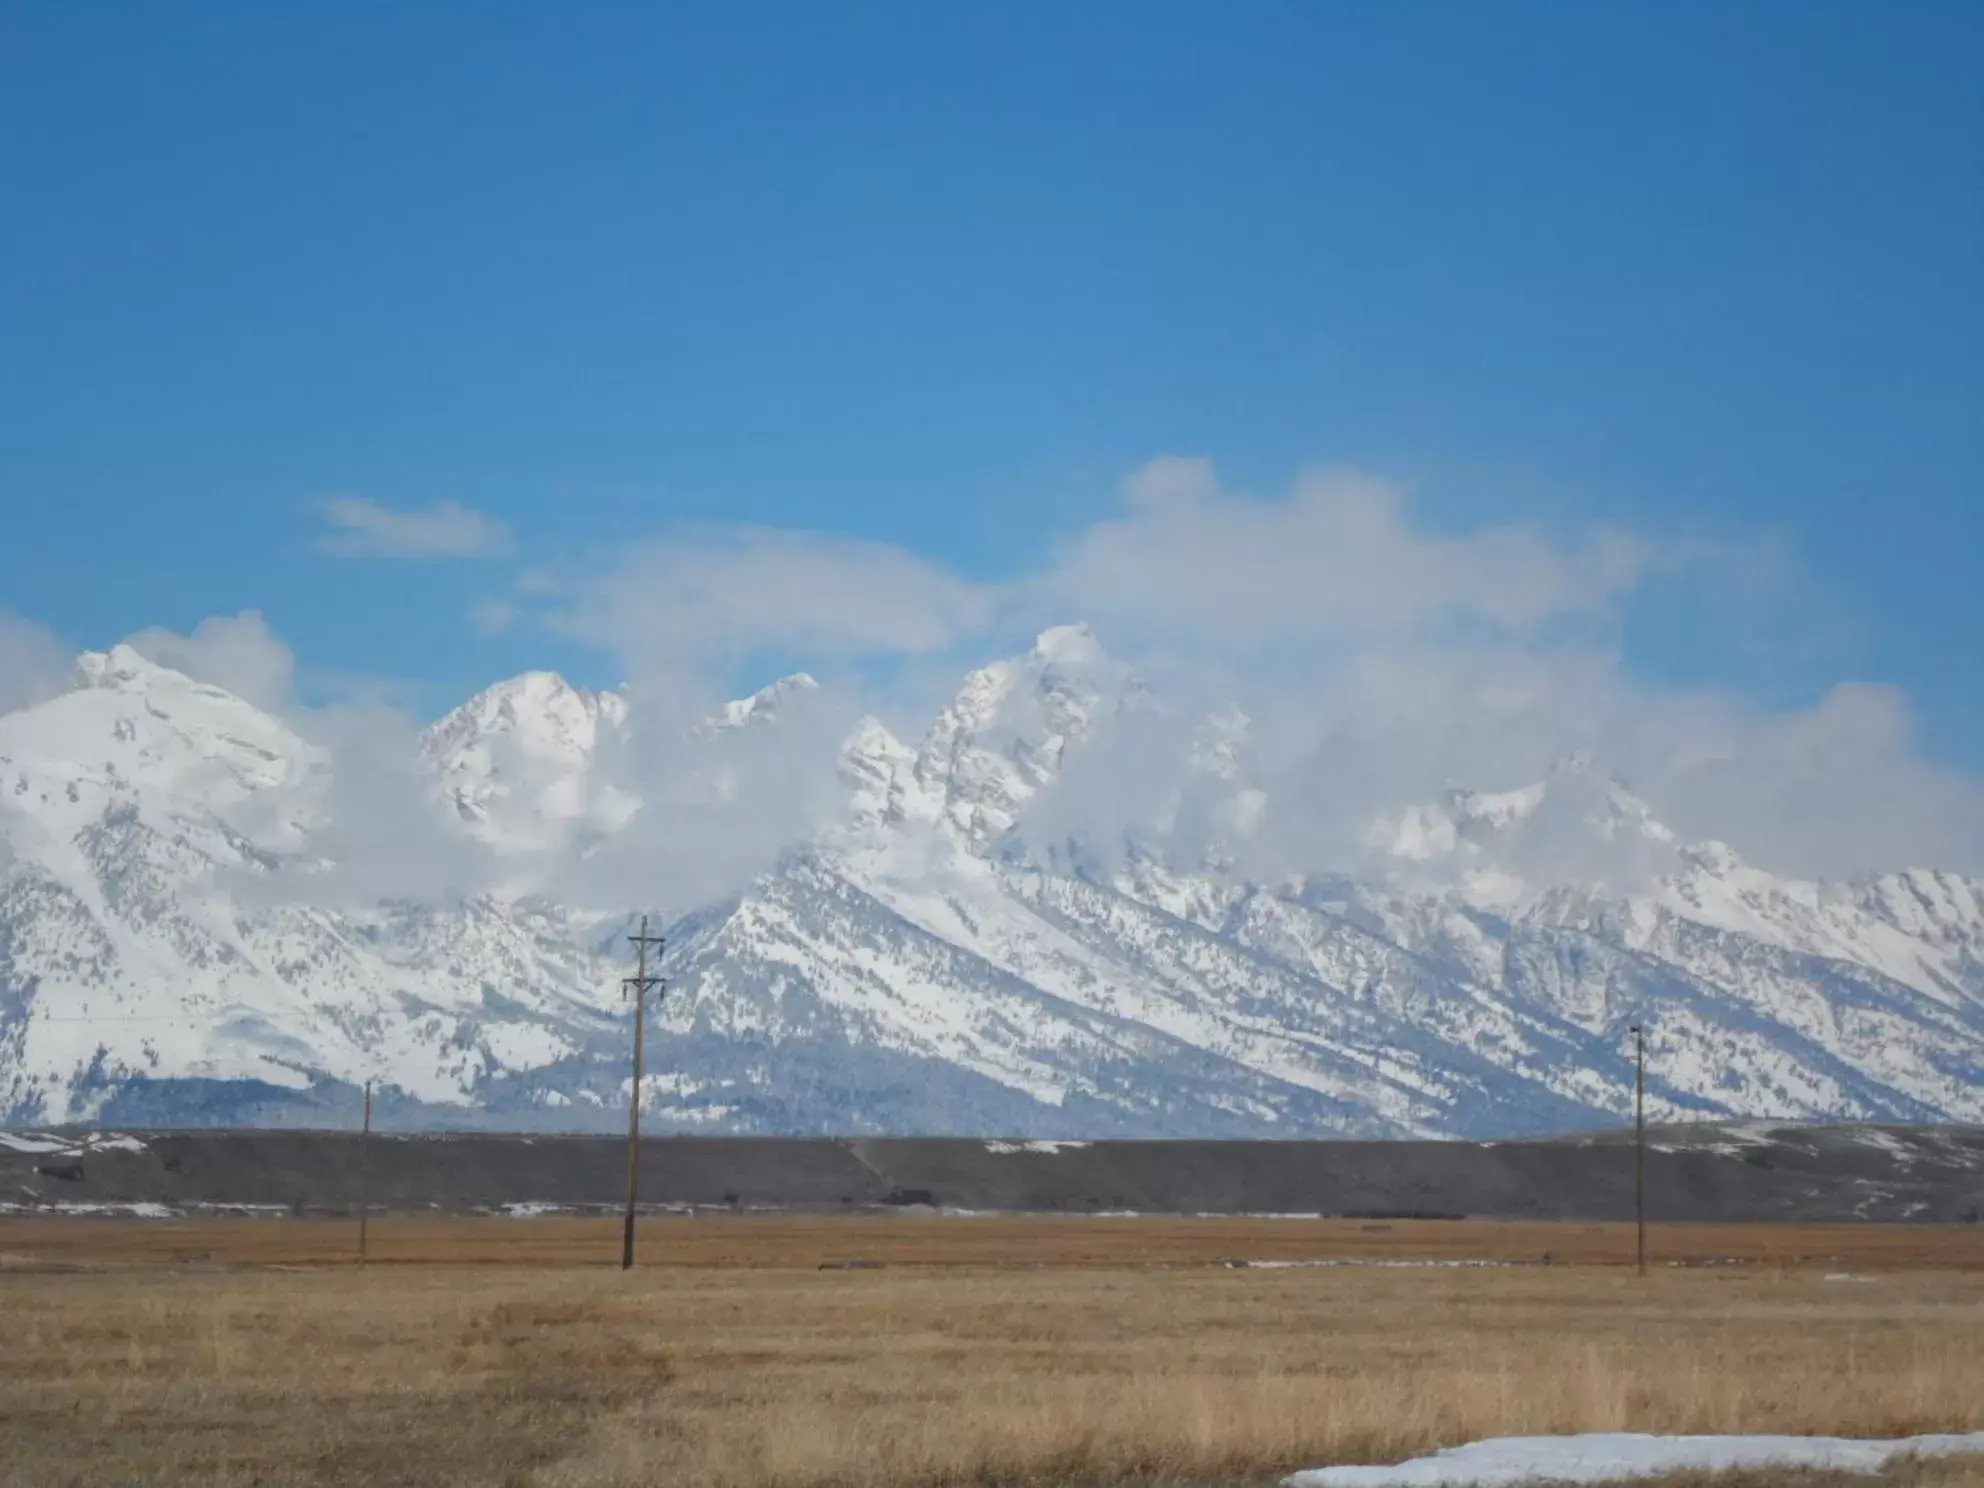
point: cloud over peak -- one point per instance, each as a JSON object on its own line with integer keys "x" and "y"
{"x": 1339, "y": 556}
{"x": 1380, "y": 659}
{"x": 236, "y": 652}
{"x": 710, "y": 595}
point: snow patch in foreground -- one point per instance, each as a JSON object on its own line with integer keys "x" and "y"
{"x": 1603, "y": 1457}
{"x": 50, "y": 1144}
{"x": 1371, "y": 1261}
{"x": 1045, "y": 1146}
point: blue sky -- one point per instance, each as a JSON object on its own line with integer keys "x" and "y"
{"x": 941, "y": 277}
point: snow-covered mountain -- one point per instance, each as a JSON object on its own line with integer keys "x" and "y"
{"x": 516, "y": 761}
{"x": 952, "y": 951}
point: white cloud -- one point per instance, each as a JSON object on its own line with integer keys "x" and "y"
{"x": 1378, "y": 661}
{"x": 1339, "y": 557}
{"x": 1185, "y": 561}
{"x": 710, "y": 595}
{"x": 682, "y": 615}
{"x": 491, "y": 617}
{"x": 382, "y": 831}
{"x": 1833, "y": 790}
{"x": 236, "y": 652}
{"x": 719, "y": 806}
{"x": 364, "y": 528}
{"x": 1381, "y": 661}
{"x": 34, "y": 663}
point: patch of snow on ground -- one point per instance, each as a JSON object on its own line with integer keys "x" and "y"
{"x": 1604, "y": 1457}
{"x": 23, "y": 1142}
{"x": 1359, "y": 1261}
{"x": 1048, "y": 1147}
{"x": 45, "y": 1144}
{"x": 112, "y": 1142}
{"x": 1889, "y": 1143}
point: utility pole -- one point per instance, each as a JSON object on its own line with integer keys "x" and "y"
{"x": 364, "y": 1172}
{"x": 638, "y": 983}
{"x": 1639, "y": 1140}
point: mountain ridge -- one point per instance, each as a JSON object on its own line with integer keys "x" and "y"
{"x": 954, "y": 944}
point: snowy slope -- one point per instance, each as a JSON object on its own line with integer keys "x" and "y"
{"x": 941, "y": 958}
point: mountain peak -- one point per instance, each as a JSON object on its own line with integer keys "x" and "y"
{"x": 121, "y": 666}
{"x": 1579, "y": 821}
{"x": 533, "y": 684}
{"x": 1575, "y": 762}
{"x": 763, "y": 705}
{"x": 539, "y": 707}
{"x": 1070, "y": 644}
{"x": 516, "y": 759}
{"x": 523, "y": 691}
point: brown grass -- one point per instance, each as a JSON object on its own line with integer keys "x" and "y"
{"x": 785, "y": 1241}
{"x": 1054, "y": 1368}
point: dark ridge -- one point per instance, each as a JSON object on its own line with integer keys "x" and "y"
{"x": 1923, "y": 1174}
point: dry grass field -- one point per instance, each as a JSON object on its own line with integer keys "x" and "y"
{"x": 978, "y": 1351}
{"x": 914, "y": 1238}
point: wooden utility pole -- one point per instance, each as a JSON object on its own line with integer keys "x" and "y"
{"x": 1639, "y": 1140}
{"x": 638, "y": 983}
{"x": 364, "y": 1173}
